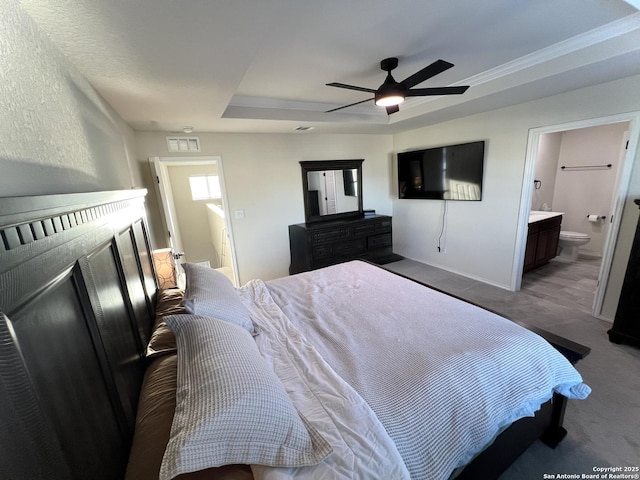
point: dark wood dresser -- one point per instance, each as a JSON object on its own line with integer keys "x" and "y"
{"x": 321, "y": 244}
{"x": 626, "y": 325}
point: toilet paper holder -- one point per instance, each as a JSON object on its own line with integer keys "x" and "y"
{"x": 596, "y": 218}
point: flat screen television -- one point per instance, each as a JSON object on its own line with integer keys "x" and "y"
{"x": 452, "y": 172}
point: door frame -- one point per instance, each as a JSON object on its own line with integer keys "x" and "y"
{"x": 167, "y": 207}
{"x": 621, "y": 189}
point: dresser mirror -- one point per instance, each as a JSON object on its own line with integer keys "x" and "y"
{"x": 332, "y": 189}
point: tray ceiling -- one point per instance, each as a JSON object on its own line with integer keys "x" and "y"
{"x": 262, "y": 66}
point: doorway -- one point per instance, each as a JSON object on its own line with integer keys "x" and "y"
{"x": 193, "y": 201}
{"x": 533, "y": 198}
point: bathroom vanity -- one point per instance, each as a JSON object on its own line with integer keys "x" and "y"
{"x": 542, "y": 239}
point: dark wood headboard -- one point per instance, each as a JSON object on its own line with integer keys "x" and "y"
{"x": 77, "y": 293}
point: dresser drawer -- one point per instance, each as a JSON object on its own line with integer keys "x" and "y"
{"x": 325, "y": 236}
{"x": 321, "y": 251}
{"x": 384, "y": 226}
{"x": 382, "y": 240}
{"x": 363, "y": 230}
{"x": 349, "y": 247}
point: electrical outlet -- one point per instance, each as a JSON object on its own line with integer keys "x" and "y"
{"x": 239, "y": 214}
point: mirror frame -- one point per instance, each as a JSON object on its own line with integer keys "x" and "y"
{"x": 319, "y": 165}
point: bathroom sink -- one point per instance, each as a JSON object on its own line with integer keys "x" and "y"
{"x": 538, "y": 215}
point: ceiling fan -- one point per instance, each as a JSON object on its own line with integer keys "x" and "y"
{"x": 391, "y": 93}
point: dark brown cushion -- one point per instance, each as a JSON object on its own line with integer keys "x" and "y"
{"x": 163, "y": 341}
{"x": 153, "y": 428}
{"x": 153, "y": 422}
{"x": 228, "y": 472}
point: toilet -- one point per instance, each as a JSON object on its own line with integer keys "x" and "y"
{"x": 568, "y": 245}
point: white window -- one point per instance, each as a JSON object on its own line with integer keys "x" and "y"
{"x": 205, "y": 187}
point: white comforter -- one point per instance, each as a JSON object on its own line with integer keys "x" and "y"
{"x": 397, "y": 374}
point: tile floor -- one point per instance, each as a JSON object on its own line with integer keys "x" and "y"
{"x": 568, "y": 284}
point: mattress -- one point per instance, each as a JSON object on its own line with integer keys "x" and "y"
{"x": 442, "y": 377}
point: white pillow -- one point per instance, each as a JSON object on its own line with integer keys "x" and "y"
{"x": 230, "y": 406}
{"x": 210, "y": 293}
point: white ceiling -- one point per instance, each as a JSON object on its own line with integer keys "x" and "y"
{"x": 262, "y": 65}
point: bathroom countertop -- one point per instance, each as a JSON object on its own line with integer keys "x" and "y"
{"x": 538, "y": 215}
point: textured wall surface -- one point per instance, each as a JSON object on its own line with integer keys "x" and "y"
{"x": 57, "y": 134}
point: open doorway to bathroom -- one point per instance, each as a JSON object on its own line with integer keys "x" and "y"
{"x": 194, "y": 206}
{"x": 579, "y": 170}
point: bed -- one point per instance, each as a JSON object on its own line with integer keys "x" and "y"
{"x": 84, "y": 331}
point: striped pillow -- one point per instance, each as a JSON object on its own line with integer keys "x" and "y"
{"x": 210, "y": 293}
{"x": 230, "y": 406}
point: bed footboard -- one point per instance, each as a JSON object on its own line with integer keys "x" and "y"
{"x": 555, "y": 432}
{"x": 511, "y": 443}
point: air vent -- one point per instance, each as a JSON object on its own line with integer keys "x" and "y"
{"x": 183, "y": 144}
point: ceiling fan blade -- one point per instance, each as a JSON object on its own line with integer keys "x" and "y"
{"x": 420, "y": 76}
{"x": 392, "y": 109}
{"x": 350, "y": 105}
{"x": 351, "y": 87}
{"x": 423, "y": 92}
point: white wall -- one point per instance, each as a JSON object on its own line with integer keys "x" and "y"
{"x": 579, "y": 192}
{"x": 546, "y": 169}
{"x": 263, "y": 178}
{"x": 478, "y": 240}
{"x": 219, "y": 236}
{"x": 192, "y": 216}
{"x": 58, "y": 134}
{"x": 481, "y": 236}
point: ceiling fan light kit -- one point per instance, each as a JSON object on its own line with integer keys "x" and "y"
{"x": 391, "y": 93}
{"x": 387, "y": 100}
